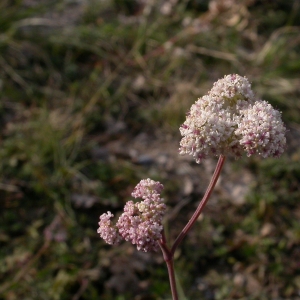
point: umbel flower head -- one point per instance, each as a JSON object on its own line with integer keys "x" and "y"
{"x": 141, "y": 222}
{"x": 230, "y": 119}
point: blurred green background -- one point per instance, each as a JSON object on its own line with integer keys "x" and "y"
{"x": 92, "y": 94}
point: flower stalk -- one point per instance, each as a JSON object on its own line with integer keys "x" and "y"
{"x": 169, "y": 260}
{"x": 168, "y": 254}
{"x": 229, "y": 120}
{"x": 201, "y": 205}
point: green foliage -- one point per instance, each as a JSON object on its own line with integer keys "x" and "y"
{"x": 79, "y": 85}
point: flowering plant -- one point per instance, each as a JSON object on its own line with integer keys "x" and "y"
{"x": 140, "y": 223}
{"x": 229, "y": 120}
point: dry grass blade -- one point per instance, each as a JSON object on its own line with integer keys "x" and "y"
{"x": 272, "y": 42}
{"x": 14, "y": 75}
{"x": 213, "y": 53}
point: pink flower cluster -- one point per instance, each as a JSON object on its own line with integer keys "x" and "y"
{"x": 141, "y": 222}
{"x": 261, "y": 130}
{"x": 230, "y": 119}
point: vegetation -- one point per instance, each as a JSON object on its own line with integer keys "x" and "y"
{"x": 92, "y": 94}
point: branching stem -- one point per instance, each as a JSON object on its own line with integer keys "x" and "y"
{"x": 168, "y": 254}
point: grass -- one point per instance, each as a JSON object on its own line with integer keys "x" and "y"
{"x": 86, "y": 90}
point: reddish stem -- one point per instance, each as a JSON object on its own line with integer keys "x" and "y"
{"x": 168, "y": 257}
{"x": 169, "y": 254}
{"x": 199, "y": 209}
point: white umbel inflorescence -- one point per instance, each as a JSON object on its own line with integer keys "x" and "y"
{"x": 230, "y": 119}
{"x": 261, "y": 130}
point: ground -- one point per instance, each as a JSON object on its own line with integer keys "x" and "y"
{"x": 92, "y": 96}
